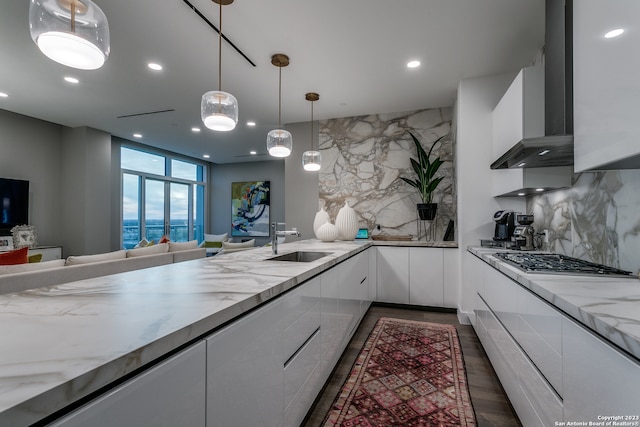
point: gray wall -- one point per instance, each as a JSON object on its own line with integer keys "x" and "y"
{"x": 31, "y": 149}
{"x": 222, "y": 176}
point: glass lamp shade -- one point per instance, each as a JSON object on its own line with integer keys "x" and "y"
{"x": 79, "y": 40}
{"x": 219, "y": 110}
{"x": 311, "y": 161}
{"x": 279, "y": 143}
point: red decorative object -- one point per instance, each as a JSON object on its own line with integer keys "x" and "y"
{"x": 408, "y": 374}
{"x": 19, "y": 256}
{"x": 164, "y": 239}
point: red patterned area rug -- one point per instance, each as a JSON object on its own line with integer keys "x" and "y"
{"x": 409, "y": 373}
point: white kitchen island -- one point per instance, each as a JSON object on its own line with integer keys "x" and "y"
{"x": 63, "y": 343}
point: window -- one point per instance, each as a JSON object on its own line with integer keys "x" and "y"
{"x": 161, "y": 196}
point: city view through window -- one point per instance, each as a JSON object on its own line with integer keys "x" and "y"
{"x": 161, "y": 196}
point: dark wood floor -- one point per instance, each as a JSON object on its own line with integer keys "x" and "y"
{"x": 487, "y": 396}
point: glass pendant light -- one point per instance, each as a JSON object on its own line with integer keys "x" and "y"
{"x": 74, "y": 33}
{"x": 219, "y": 110}
{"x": 311, "y": 159}
{"x": 279, "y": 141}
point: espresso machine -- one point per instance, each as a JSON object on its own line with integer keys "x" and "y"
{"x": 523, "y": 233}
{"x": 504, "y": 226}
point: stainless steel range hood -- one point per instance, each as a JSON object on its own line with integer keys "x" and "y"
{"x": 555, "y": 147}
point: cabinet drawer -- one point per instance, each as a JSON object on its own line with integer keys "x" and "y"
{"x": 300, "y": 330}
{"x": 298, "y": 369}
{"x": 294, "y": 414}
{"x": 300, "y": 300}
{"x": 501, "y": 295}
{"x": 541, "y": 405}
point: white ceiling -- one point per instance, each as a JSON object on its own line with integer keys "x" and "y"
{"x": 352, "y": 52}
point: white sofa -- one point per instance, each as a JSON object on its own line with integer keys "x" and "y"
{"x": 24, "y": 276}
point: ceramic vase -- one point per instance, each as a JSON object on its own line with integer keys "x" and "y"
{"x": 347, "y": 222}
{"x": 321, "y": 217}
{"x": 327, "y": 232}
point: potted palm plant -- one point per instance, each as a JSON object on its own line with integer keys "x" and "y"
{"x": 425, "y": 182}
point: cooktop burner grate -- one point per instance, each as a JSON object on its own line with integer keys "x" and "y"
{"x": 558, "y": 264}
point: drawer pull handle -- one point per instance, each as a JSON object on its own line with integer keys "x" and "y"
{"x": 295, "y": 353}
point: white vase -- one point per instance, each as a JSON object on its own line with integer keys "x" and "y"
{"x": 347, "y": 222}
{"x": 322, "y": 216}
{"x": 327, "y": 232}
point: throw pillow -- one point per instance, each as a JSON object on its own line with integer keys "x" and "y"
{"x": 208, "y": 244}
{"x": 215, "y": 237}
{"x": 19, "y": 256}
{"x": 149, "y": 250}
{"x": 164, "y": 239}
{"x": 35, "y": 258}
{"x": 142, "y": 243}
{"x": 183, "y": 246}
{"x": 87, "y": 259}
{"x": 228, "y": 247}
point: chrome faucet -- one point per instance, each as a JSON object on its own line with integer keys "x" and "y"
{"x": 275, "y": 234}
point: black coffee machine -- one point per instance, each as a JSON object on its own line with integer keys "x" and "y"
{"x": 505, "y": 224}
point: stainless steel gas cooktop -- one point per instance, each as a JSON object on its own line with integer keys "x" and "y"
{"x": 559, "y": 264}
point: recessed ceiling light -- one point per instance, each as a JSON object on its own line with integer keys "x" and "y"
{"x": 520, "y": 194}
{"x": 3, "y": 95}
{"x": 137, "y": 135}
{"x": 253, "y": 152}
{"x": 613, "y": 33}
{"x": 413, "y": 64}
{"x": 521, "y": 164}
{"x": 543, "y": 152}
{"x": 539, "y": 189}
{"x": 71, "y": 80}
{"x": 251, "y": 123}
{"x": 154, "y": 66}
{"x": 195, "y": 129}
{"x": 206, "y": 156}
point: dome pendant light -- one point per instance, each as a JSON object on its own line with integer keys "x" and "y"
{"x": 311, "y": 159}
{"x": 279, "y": 141}
{"x": 219, "y": 110}
{"x": 74, "y": 33}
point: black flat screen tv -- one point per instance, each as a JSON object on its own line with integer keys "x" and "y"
{"x": 14, "y": 204}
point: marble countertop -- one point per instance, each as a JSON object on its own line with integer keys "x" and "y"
{"x": 608, "y": 306}
{"x": 63, "y": 342}
{"x": 415, "y": 243}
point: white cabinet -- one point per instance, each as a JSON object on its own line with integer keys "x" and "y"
{"x": 169, "y": 394}
{"x": 426, "y": 277}
{"x": 333, "y": 324}
{"x": 353, "y": 290}
{"x": 245, "y": 379}
{"x": 393, "y": 274}
{"x": 599, "y": 380}
{"x": 606, "y": 85}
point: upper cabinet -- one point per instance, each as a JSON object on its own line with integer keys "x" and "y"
{"x": 606, "y": 84}
{"x": 518, "y": 116}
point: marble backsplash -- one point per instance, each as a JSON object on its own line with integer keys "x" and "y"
{"x": 597, "y": 219}
{"x": 363, "y": 158}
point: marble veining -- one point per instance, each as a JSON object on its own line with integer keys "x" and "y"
{"x": 63, "y": 342}
{"x": 363, "y": 158}
{"x": 608, "y": 306}
{"x": 597, "y": 219}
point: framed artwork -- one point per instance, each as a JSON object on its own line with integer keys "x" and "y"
{"x": 6, "y": 243}
{"x": 24, "y": 235}
{"x": 250, "y": 208}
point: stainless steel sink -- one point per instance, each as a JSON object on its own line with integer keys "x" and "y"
{"x": 300, "y": 256}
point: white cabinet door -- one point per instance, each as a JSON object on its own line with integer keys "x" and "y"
{"x": 353, "y": 289}
{"x": 451, "y": 277}
{"x": 393, "y": 274}
{"x": 169, "y": 394}
{"x": 373, "y": 275}
{"x": 245, "y": 362}
{"x": 333, "y": 325}
{"x": 426, "y": 276}
{"x": 599, "y": 380}
{"x": 605, "y": 82}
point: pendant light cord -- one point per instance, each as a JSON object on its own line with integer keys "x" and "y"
{"x": 220, "y": 52}
{"x": 311, "y": 125}
{"x": 280, "y": 99}
{"x": 73, "y": 16}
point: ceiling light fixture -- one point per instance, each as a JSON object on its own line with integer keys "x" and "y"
{"x": 195, "y": 129}
{"x": 251, "y": 123}
{"x": 74, "y": 33}
{"x": 219, "y": 110}
{"x": 521, "y": 164}
{"x": 520, "y": 194}
{"x": 543, "y": 152}
{"x": 311, "y": 159}
{"x": 4, "y": 95}
{"x": 206, "y": 156}
{"x": 73, "y": 80}
{"x": 413, "y": 64}
{"x": 137, "y": 135}
{"x": 614, "y": 33}
{"x": 154, "y": 66}
{"x": 279, "y": 141}
{"x": 253, "y": 153}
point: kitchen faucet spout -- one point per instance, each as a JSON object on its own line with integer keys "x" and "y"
{"x": 275, "y": 233}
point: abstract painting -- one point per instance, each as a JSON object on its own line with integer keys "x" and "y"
{"x": 250, "y": 208}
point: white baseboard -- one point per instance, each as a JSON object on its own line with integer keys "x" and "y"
{"x": 466, "y": 317}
